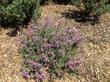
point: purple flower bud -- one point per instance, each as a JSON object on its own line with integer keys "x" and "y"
{"x": 25, "y": 74}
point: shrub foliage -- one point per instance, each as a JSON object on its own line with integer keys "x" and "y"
{"x": 49, "y": 47}
{"x": 14, "y": 12}
{"x": 93, "y": 6}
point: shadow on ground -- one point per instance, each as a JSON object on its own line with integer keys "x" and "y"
{"x": 12, "y": 32}
{"x": 81, "y": 16}
{"x": 15, "y": 28}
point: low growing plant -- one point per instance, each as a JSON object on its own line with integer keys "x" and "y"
{"x": 49, "y": 51}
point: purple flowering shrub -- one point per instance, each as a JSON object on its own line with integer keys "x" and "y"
{"x": 48, "y": 51}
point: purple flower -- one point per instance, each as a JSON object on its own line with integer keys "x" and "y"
{"x": 78, "y": 61}
{"x": 35, "y": 38}
{"x": 46, "y": 46}
{"x": 71, "y": 64}
{"x": 30, "y": 31}
{"x": 25, "y": 74}
{"x": 77, "y": 38}
{"x": 35, "y": 65}
{"x": 47, "y": 22}
{"x": 39, "y": 76}
{"x": 73, "y": 36}
{"x": 45, "y": 59}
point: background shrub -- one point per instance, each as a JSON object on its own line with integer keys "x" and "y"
{"x": 55, "y": 1}
{"x": 15, "y": 12}
{"x": 49, "y": 51}
{"x": 46, "y": 2}
{"x": 93, "y": 6}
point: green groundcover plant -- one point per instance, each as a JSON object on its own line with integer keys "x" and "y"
{"x": 15, "y": 12}
{"x": 49, "y": 51}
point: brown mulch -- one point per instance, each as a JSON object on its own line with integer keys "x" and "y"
{"x": 9, "y": 58}
{"x": 95, "y": 47}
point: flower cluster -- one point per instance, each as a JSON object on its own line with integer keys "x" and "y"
{"x": 49, "y": 47}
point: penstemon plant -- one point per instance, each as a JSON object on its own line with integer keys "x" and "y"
{"x": 49, "y": 50}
